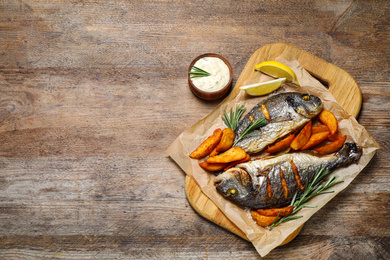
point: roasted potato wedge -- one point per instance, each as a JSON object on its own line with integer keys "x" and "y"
{"x": 233, "y": 154}
{"x": 226, "y": 142}
{"x": 207, "y": 146}
{"x": 275, "y": 212}
{"x": 315, "y": 139}
{"x": 332, "y": 147}
{"x": 232, "y": 164}
{"x": 319, "y": 128}
{"x": 328, "y": 119}
{"x": 213, "y": 167}
{"x": 301, "y": 139}
{"x": 281, "y": 145}
{"x": 261, "y": 220}
{"x": 335, "y": 136}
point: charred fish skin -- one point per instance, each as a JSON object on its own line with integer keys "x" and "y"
{"x": 287, "y": 112}
{"x": 272, "y": 183}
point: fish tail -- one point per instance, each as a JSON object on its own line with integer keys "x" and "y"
{"x": 349, "y": 153}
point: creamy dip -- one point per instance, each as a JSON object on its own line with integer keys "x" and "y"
{"x": 219, "y": 74}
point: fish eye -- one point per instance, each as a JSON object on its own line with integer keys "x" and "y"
{"x": 306, "y": 97}
{"x": 231, "y": 192}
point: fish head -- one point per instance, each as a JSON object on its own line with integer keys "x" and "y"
{"x": 234, "y": 184}
{"x": 305, "y": 104}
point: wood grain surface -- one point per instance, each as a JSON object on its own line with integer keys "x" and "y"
{"x": 93, "y": 92}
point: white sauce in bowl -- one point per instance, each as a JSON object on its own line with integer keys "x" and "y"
{"x": 219, "y": 71}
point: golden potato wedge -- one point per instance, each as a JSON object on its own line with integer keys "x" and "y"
{"x": 319, "y": 128}
{"x": 281, "y": 145}
{"x": 263, "y": 221}
{"x": 332, "y": 147}
{"x": 233, "y": 154}
{"x": 226, "y": 142}
{"x": 213, "y": 167}
{"x": 301, "y": 139}
{"x": 275, "y": 212}
{"x": 213, "y": 152}
{"x": 232, "y": 164}
{"x": 315, "y": 139}
{"x": 335, "y": 136}
{"x": 328, "y": 119}
{"x": 207, "y": 146}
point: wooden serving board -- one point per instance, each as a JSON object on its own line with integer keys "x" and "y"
{"x": 343, "y": 87}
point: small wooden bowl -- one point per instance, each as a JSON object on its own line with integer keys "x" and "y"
{"x": 210, "y": 95}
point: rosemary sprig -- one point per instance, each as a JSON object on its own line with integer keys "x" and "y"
{"x": 247, "y": 131}
{"x": 196, "y": 72}
{"x": 232, "y": 121}
{"x": 313, "y": 188}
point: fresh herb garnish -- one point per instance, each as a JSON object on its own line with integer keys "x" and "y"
{"x": 232, "y": 121}
{"x": 312, "y": 189}
{"x": 198, "y": 72}
{"x": 257, "y": 124}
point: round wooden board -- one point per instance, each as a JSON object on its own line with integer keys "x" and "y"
{"x": 343, "y": 87}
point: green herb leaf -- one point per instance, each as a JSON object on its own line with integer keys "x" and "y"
{"x": 276, "y": 218}
{"x": 257, "y": 124}
{"x": 198, "y": 72}
{"x": 232, "y": 120}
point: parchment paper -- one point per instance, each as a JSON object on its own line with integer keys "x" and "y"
{"x": 264, "y": 239}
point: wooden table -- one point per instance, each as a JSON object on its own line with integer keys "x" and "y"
{"x": 93, "y": 92}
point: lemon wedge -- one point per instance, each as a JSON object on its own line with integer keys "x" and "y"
{"x": 277, "y": 70}
{"x": 263, "y": 88}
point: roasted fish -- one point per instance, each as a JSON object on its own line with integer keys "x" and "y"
{"x": 285, "y": 112}
{"x": 272, "y": 182}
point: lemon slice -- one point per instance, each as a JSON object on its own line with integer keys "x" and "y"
{"x": 263, "y": 88}
{"x": 277, "y": 70}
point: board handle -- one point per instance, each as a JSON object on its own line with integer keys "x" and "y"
{"x": 344, "y": 96}
{"x": 339, "y": 82}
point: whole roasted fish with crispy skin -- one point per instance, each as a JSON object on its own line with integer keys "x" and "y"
{"x": 272, "y": 182}
{"x": 286, "y": 112}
